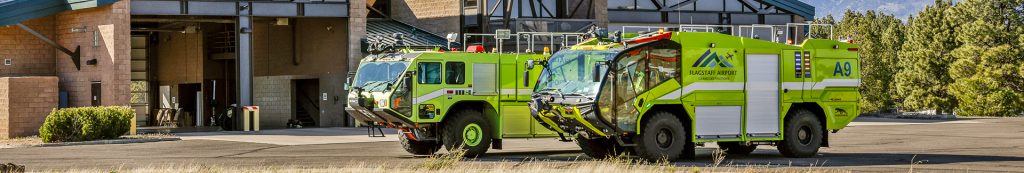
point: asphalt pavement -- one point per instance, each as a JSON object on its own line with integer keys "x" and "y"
{"x": 868, "y": 145}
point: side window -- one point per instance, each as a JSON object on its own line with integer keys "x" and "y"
{"x": 455, "y": 73}
{"x": 429, "y": 72}
{"x": 663, "y": 61}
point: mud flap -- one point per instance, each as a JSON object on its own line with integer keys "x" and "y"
{"x": 496, "y": 144}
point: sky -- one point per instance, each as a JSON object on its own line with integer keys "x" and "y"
{"x": 899, "y": 8}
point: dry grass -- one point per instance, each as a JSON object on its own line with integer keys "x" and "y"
{"x": 453, "y": 162}
{"x": 30, "y": 141}
{"x": 20, "y": 142}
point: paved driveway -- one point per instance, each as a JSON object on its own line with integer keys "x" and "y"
{"x": 870, "y": 144}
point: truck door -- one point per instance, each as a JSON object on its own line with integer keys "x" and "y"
{"x": 428, "y": 92}
{"x": 762, "y": 87}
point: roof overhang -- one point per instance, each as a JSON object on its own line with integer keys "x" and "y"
{"x": 17, "y": 11}
{"x": 794, "y": 6}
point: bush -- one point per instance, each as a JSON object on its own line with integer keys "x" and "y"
{"x": 86, "y": 123}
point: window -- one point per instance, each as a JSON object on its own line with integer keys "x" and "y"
{"x": 455, "y": 72}
{"x": 663, "y": 58}
{"x": 429, "y": 72}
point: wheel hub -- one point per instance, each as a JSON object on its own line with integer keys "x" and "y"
{"x": 664, "y": 138}
{"x": 804, "y": 135}
{"x": 472, "y": 134}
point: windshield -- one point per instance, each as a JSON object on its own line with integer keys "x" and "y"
{"x": 571, "y": 72}
{"x": 377, "y": 74}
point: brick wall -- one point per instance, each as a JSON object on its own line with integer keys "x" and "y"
{"x": 436, "y": 16}
{"x": 24, "y": 104}
{"x": 29, "y": 55}
{"x": 104, "y": 34}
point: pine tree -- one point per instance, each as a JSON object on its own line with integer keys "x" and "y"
{"x": 823, "y": 32}
{"x": 923, "y": 79}
{"x": 986, "y": 70}
{"x": 873, "y": 31}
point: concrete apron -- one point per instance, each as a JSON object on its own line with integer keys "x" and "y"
{"x": 307, "y": 136}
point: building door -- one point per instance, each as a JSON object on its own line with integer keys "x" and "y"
{"x": 187, "y": 101}
{"x": 306, "y": 101}
{"x": 96, "y": 93}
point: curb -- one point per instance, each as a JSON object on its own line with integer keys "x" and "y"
{"x": 113, "y": 141}
{"x": 914, "y": 116}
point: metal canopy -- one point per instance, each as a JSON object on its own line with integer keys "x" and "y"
{"x": 384, "y": 29}
{"x": 304, "y": 8}
{"x": 16, "y": 11}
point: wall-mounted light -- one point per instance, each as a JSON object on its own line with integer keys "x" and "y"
{"x": 80, "y": 29}
{"x": 7, "y": 61}
{"x": 91, "y": 62}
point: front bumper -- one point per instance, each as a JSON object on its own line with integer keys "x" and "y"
{"x": 565, "y": 118}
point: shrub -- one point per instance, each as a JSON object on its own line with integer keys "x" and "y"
{"x": 86, "y": 123}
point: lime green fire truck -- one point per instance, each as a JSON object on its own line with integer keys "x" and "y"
{"x": 660, "y": 94}
{"x": 470, "y": 99}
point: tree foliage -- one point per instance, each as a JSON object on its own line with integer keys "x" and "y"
{"x": 923, "y": 79}
{"x": 986, "y": 67}
{"x": 964, "y": 57}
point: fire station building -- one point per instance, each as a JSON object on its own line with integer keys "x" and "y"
{"x": 181, "y": 62}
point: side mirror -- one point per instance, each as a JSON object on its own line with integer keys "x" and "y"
{"x": 348, "y": 81}
{"x": 529, "y": 64}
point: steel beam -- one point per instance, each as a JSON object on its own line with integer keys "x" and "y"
{"x": 244, "y": 61}
{"x": 76, "y": 56}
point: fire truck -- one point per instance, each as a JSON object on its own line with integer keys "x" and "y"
{"x": 660, "y": 94}
{"x": 469, "y": 99}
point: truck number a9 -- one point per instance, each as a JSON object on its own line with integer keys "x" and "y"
{"x": 843, "y": 70}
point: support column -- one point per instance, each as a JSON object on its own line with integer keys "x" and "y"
{"x": 244, "y": 62}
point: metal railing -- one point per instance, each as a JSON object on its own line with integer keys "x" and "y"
{"x": 529, "y": 40}
{"x": 776, "y": 33}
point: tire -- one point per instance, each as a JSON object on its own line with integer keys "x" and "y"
{"x": 600, "y": 148}
{"x": 467, "y": 130}
{"x": 663, "y": 137}
{"x": 802, "y": 136}
{"x": 418, "y": 147}
{"x": 737, "y": 148}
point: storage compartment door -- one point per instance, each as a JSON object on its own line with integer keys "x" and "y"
{"x": 762, "y": 96}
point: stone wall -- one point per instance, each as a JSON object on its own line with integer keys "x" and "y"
{"x": 29, "y": 55}
{"x": 24, "y": 104}
{"x": 104, "y": 35}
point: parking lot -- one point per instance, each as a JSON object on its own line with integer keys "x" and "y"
{"x": 869, "y": 145}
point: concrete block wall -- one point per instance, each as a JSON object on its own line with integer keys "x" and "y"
{"x": 274, "y": 96}
{"x": 104, "y": 34}
{"x": 24, "y": 104}
{"x": 29, "y": 55}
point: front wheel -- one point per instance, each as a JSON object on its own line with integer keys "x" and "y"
{"x": 467, "y": 130}
{"x": 418, "y": 147}
{"x": 663, "y": 137}
{"x": 803, "y": 135}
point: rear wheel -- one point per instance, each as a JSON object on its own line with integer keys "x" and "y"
{"x": 803, "y": 135}
{"x": 600, "y": 148}
{"x": 737, "y": 148}
{"x": 663, "y": 137}
{"x": 467, "y": 130}
{"x": 418, "y": 147}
